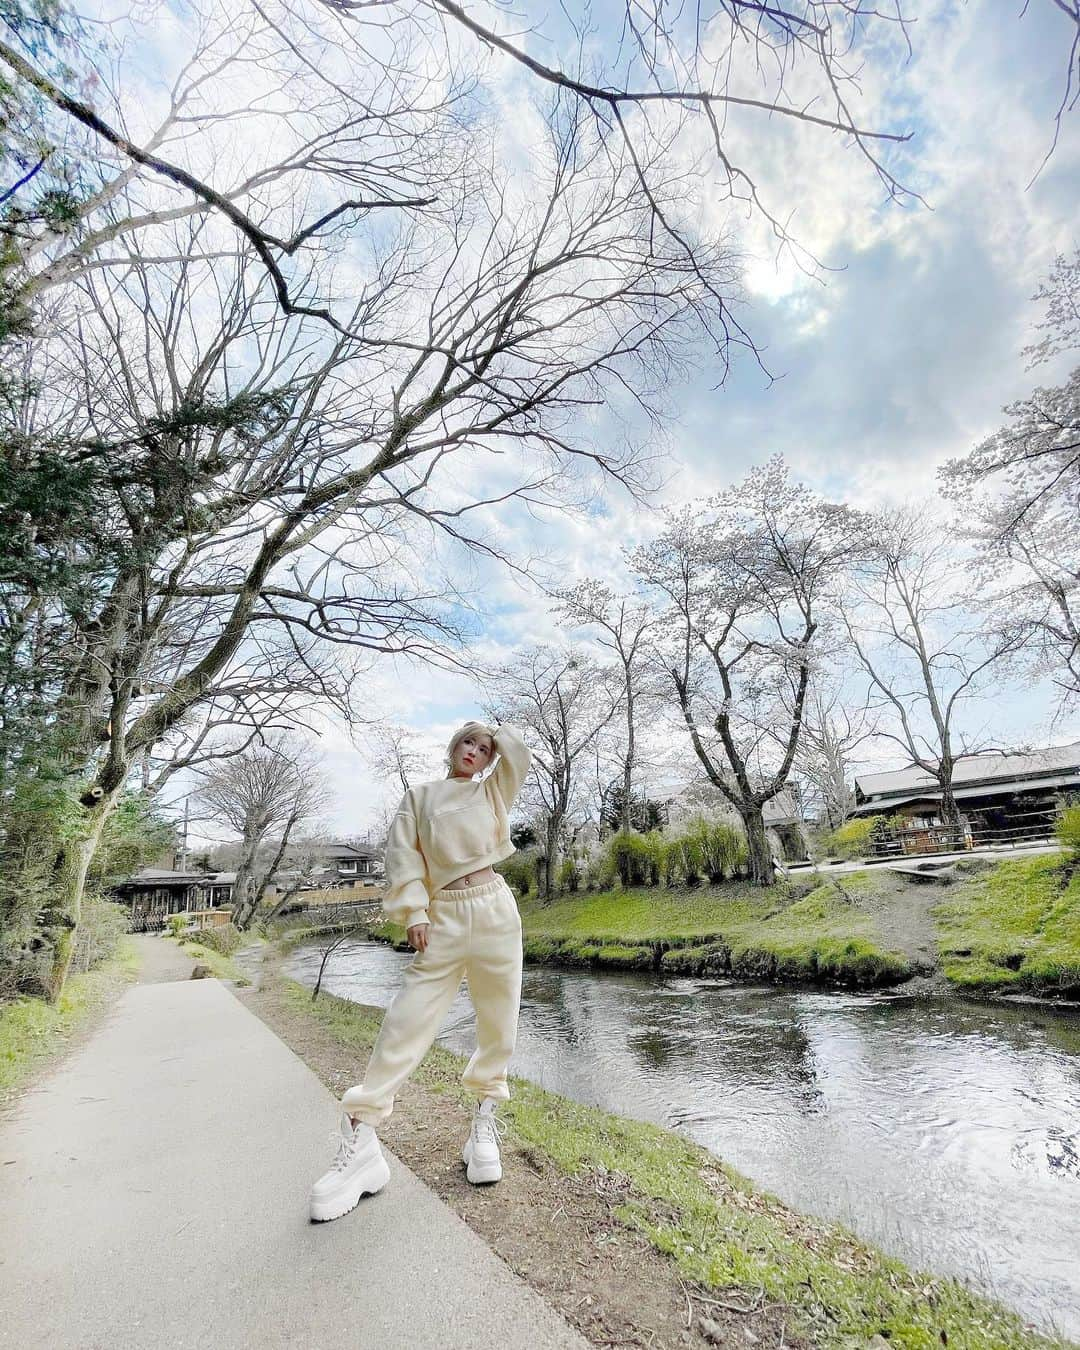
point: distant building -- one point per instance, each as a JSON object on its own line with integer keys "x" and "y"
{"x": 1003, "y": 798}
{"x": 348, "y": 865}
{"x": 154, "y": 893}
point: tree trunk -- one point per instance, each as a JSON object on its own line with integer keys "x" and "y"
{"x": 551, "y": 834}
{"x": 950, "y": 814}
{"x": 628, "y": 764}
{"x": 242, "y": 910}
{"x": 63, "y": 915}
{"x": 762, "y": 871}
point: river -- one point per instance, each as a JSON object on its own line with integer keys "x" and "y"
{"x": 945, "y": 1131}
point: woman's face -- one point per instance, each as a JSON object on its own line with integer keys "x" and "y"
{"x": 472, "y": 754}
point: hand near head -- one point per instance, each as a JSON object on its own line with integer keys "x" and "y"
{"x": 418, "y": 936}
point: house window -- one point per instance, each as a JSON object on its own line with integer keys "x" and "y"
{"x": 349, "y": 868}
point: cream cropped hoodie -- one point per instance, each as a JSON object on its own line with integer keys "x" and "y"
{"x": 444, "y": 829}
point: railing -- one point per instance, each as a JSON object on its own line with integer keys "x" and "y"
{"x": 341, "y": 909}
{"x": 157, "y": 921}
{"x": 148, "y": 923}
{"x": 1031, "y": 827}
{"x": 208, "y": 918}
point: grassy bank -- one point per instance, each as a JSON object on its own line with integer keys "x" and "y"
{"x": 721, "y": 1238}
{"x": 33, "y": 1032}
{"x": 1014, "y": 927}
{"x": 830, "y": 935}
{"x": 1004, "y": 926}
{"x": 222, "y": 967}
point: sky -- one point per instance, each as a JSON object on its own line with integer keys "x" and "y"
{"x": 900, "y": 354}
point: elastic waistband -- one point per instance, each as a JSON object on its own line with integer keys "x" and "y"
{"x": 472, "y": 892}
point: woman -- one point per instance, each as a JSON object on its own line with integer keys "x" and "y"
{"x": 462, "y": 919}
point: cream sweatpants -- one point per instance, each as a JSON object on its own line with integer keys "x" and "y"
{"x": 475, "y": 932}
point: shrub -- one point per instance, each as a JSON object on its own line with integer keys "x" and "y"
{"x": 177, "y": 924}
{"x": 519, "y": 872}
{"x": 685, "y": 860}
{"x": 569, "y": 874}
{"x": 721, "y": 846}
{"x": 224, "y": 938}
{"x": 600, "y": 871}
{"x": 102, "y": 923}
{"x": 852, "y": 839}
{"x": 658, "y": 857}
{"x": 632, "y": 859}
{"x": 1068, "y": 830}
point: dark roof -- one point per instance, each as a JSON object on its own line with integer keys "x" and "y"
{"x": 159, "y": 876}
{"x": 994, "y": 789}
{"x": 1054, "y": 765}
{"x": 345, "y": 852}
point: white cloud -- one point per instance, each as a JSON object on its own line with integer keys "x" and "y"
{"x": 896, "y": 362}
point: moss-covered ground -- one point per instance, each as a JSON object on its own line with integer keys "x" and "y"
{"x": 1014, "y": 926}
{"x": 1004, "y": 926}
{"x": 782, "y": 933}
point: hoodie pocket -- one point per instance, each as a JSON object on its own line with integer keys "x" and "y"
{"x": 461, "y": 834}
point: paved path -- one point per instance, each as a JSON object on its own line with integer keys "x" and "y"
{"x": 153, "y": 1193}
{"x": 161, "y": 960}
{"x": 999, "y": 854}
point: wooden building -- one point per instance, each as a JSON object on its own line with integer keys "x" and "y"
{"x": 1004, "y": 798}
{"x": 154, "y": 893}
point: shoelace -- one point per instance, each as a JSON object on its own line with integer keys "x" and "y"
{"x": 489, "y": 1126}
{"x": 344, "y": 1153}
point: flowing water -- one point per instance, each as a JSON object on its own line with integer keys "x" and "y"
{"x": 945, "y": 1131}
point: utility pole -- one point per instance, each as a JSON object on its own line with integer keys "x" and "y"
{"x": 182, "y": 860}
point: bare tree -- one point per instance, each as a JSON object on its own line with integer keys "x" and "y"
{"x": 379, "y": 142}
{"x": 264, "y": 792}
{"x": 832, "y": 731}
{"x": 1071, "y": 85}
{"x": 746, "y": 578}
{"x": 621, "y": 625}
{"x": 689, "y": 79}
{"x": 359, "y": 119}
{"x": 922, "y": 650}
{"x": 1033, "y": 463}
{"x": 566, "y": 700}
{"x": 1017, "y": 495}
{"x": 1028, "y": 578}
{"x": 267, "y": 519}
{"x": 391, "y": 752}
{"x": 341, "y": 927}
{"x": 296, "y": 868}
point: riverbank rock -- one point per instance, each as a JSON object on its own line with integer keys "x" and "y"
{"x": 201, "y": 971}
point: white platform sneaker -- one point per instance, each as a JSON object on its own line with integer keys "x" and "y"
{"x": 481, "y": 1152}
{"x": 358, "y": 1169}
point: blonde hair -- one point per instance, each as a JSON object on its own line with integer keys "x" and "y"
{"x": 469, "y": 729}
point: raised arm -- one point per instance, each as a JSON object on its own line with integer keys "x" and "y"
{"x": 405, "y": 899}
{"x": 512, "y": 764}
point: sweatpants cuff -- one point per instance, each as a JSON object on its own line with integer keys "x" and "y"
{"x": 500, "y": 1092}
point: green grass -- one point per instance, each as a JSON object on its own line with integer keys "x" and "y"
{"x": 773, "y": 934}
{"x": 1016, "y": 926}
{"x": 32, "y": 1031}
{"x": 221, "y": 967}
{"x": 715, "y": 1225}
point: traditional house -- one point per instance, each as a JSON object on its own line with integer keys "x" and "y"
{"x": 1004, "y": 798}
{"x": 350, "y": 865}
{"x": 154, "y": 893}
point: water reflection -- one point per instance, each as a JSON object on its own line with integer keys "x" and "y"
{"x": 946, "y": 1132}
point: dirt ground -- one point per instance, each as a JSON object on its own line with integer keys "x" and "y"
{"x": 557, "y": 1232}
{"x": 903, "y": 912}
